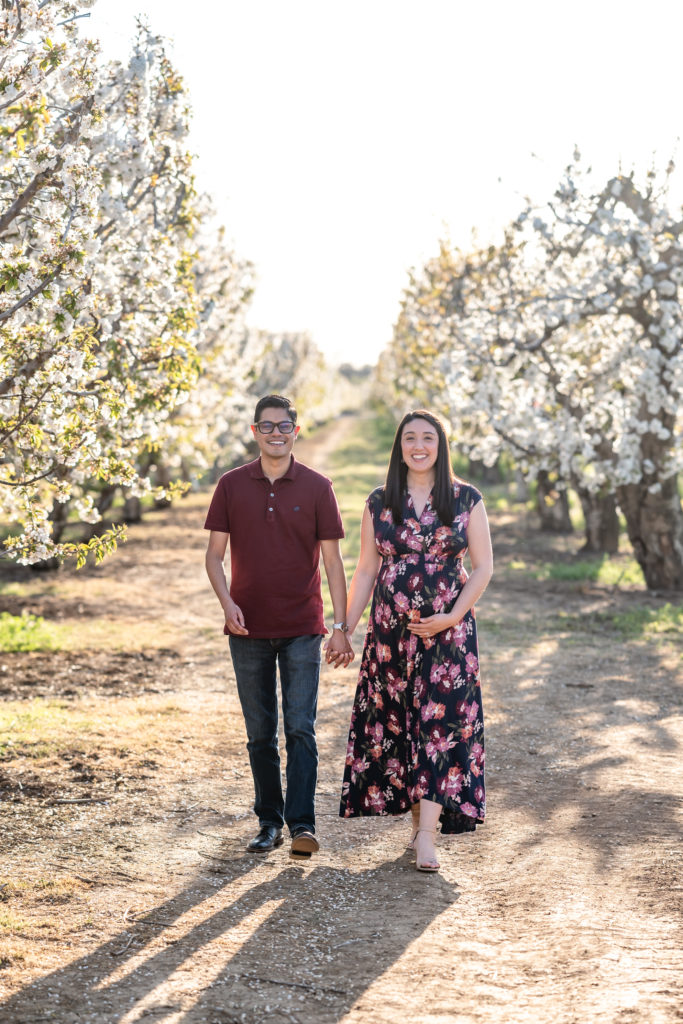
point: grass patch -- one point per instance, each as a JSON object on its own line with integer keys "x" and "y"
{"x": 636, "y": 624}
{"x": 117, "y": 633}
{"x": 500, "y": 503}
{"x": 497, "y": 628}
{"x": 58, "y": 890}
{"x": 26, "y": 632}
{"x": 11, "y": 955}
{"x": 500, "y": 497}
{"x": 619, "y": 570}
{"x": 602, "y": 570}
{"x": 651, "y": 622}
{"x": 356, "y": 468}
{"x": 14, "y": 924}
{"x": 45, "y": 889}
{"x": 11, "y": 922}
{"x": 41, "y": 728}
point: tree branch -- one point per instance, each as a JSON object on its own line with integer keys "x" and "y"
{"x": 8, "y": 433}
{"x": 28, "y": 368}
{"x": 27, "y": 483}
{"x": 531, "y": 452}
{"x": 156, "y": 172}
{"x": 31, "y": 189}
{"x": 7, "y": 313}
{"x": 25, "y": 197}
{"x": 16, "y": 35}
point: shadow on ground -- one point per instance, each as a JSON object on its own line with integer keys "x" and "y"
{"x": 280, "y": 947}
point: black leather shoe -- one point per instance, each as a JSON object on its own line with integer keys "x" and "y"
{"x": 268, "y": 838}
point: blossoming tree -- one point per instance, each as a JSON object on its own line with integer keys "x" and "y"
{"x": 125, "y": 362}
{"x": 291, "y": 363}
{"x": 213, "y": 420}
{"x": 97, "y": 306}
{"x": 564, "y": 345}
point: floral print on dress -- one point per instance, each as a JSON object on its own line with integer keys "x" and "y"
{"x": 417, "y": 727}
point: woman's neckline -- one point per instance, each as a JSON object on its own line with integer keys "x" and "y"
{"x": 427, "y": 500}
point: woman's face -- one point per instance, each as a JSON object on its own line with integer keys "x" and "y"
{"x": 419, "y": 445}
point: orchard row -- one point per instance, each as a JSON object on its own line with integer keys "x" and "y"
{"x": 562, "y": 348}
{"x": 126, "y": 365}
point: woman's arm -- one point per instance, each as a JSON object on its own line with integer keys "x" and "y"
{"x": 481, "y": 557}
{"x": 364, "y": 577}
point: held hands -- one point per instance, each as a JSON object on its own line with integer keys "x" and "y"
{"x": 234, "y": 619}
{"x": 338, "y": 650}
{"x": 430, "y": 625}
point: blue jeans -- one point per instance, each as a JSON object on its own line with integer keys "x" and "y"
{"x": 255, "y": 662}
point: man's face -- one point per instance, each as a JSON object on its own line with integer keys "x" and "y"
{"x": 275, "y": 445}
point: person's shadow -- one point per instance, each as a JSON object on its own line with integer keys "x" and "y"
{"x": 302, "y": 946}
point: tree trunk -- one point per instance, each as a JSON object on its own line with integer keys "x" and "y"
{"x": 602, "y": 522}
{"x": 478, "y": 470}
{"x": 58, "y": 517}
{"x": 162, "y": 478}
{"x": 132, "y": 509}
{"x": 521, "y": 488}
{"x": 655, "y": 529}
{"x": 106, "y": 498}
{"x": 104, "y": 502}
{"x": 552, "y": 505}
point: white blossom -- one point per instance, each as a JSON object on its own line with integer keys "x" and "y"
{"x": 564, "y": 342}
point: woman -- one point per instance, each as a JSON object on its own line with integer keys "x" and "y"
{"x": 417, "y": 733}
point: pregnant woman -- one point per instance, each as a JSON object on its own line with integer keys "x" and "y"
{"x": 417, "y": 731}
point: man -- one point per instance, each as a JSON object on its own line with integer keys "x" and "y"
{"x": 279, "y": 516}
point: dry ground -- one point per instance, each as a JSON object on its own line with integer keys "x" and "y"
{"x": 126, "y": 892}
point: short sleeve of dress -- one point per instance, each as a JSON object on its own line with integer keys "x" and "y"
{"x": 375, "y": 503}
{"x": 471, "y": 497}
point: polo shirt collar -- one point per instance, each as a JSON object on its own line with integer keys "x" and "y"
{"x": 256, "y": 470}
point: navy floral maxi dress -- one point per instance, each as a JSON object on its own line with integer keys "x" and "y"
{"x": 417, "y": 728}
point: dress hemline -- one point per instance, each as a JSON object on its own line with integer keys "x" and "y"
{"x": 452, "y": 822}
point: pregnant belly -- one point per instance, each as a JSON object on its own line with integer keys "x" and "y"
{"x": 413, "y": 596}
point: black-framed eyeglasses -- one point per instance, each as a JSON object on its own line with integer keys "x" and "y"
{"x": 266, "y": 427}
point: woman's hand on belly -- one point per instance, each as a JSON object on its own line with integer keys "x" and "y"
{"x": 430, "y": 625}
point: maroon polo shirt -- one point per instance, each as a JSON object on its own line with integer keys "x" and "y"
{"x": 275, "y": 533}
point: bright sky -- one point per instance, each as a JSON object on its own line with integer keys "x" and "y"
{"x": 341, "y": 140}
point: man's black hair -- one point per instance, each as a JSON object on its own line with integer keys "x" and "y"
{"x": 274, "y": 402}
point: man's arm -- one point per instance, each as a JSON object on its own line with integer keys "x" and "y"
{"x": 215, "y": 554}
{"x": 338, "y": 650}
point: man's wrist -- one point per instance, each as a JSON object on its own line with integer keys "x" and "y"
{"x": 340, "y": 626}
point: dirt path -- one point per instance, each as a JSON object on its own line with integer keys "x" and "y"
{"x": 140, "y": 904}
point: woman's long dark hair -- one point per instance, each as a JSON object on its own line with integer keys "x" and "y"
{"x": 397, "y": 473}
